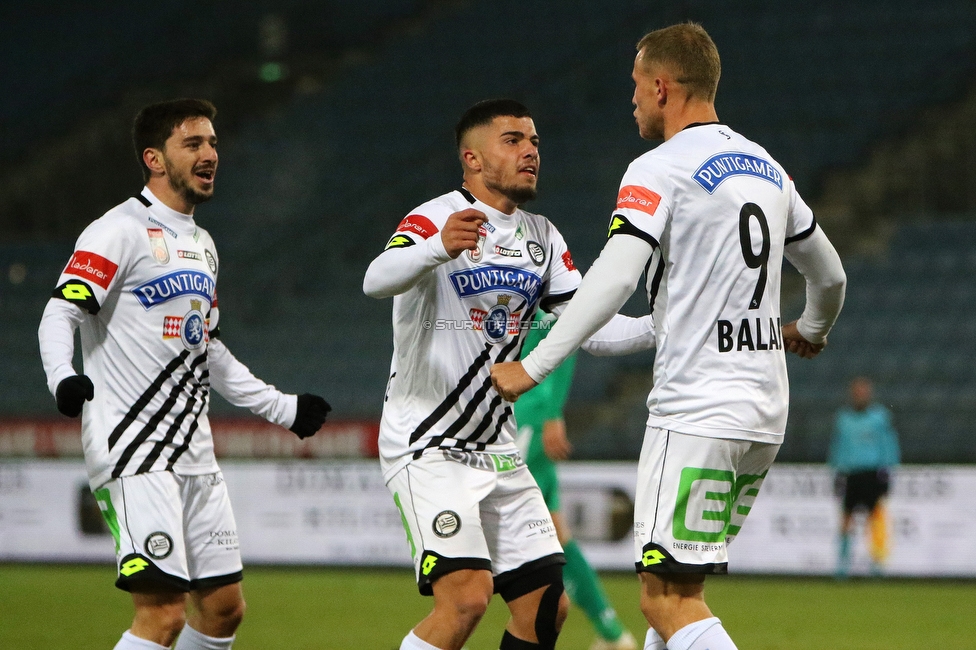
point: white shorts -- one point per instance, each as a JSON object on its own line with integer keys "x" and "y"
{"x": 171, "y": 530}
{"x": 474, "y": 510}
{"x": 693, "y": 494}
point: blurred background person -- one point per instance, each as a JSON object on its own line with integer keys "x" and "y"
{"x": 863, "y": 451}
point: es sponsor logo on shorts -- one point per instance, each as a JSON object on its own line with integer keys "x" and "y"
{"x": 226, "y": 539}
{"x": 446, "y": 524}
{"x": 541, "y": 527}
{"x": 723, "y": 166}
{"x": 93, "y": 267}
{"x": 484, "y": 279}
{"x": 173, "y": 285}
{"x": 484, "y": 461}
{"x": 159, "y": 545}
{"x": 635, "y": 197}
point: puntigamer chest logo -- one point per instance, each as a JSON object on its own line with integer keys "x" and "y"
{"x": 173, "y": 285}
{"x": 483, "y": 279}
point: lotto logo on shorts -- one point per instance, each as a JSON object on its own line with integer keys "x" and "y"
{"x": 638, "y": 198}
{"x": 92, "y": 267}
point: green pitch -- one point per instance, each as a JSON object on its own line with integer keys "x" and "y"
{"x": 77, "y": 607}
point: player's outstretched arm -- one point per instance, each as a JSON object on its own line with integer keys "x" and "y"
{"x": 56, "y": 340}
{"x": 622, "y": 335}
{"x": 240, "y": 387}
{"x": 409, "y": 256}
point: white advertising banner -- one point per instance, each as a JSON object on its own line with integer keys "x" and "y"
{"x": 340, "y": 512}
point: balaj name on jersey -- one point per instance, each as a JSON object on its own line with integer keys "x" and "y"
{"x": 173, "y": 285}
{"x": 750, "y": 336}
{"x": 721, "y": 166}
{"x": 482, "y": 279}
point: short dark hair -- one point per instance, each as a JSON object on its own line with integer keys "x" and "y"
{"x": 484, "y": 112}
{"x": 155, "y": 123}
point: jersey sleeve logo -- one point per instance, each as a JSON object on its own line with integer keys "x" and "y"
{"x": 157, "y": 242}
{"x": 419, "y": 225}
{"x": 640, "y": 198}
{"x": 79, "y": 293}
{"x": 619, "y": 225}
{"x": 568, "y": 261}
{"x": 92, "y": 267}
{"x": 399, "y": 241}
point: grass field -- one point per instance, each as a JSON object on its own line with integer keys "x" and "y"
{"x": 77, "y": 608}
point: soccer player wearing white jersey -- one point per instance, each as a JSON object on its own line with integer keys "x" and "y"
{"x": 467, "y": 271}
{"x": 708, "y": 216}
{"x": 141, "y": 287}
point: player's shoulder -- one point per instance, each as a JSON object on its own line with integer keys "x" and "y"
{"x": 539, "y": 224}
{"x": 438, "y": 209}
{"x": 119, "y": 221}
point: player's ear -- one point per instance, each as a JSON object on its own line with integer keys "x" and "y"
{"x": 154, "y": 160}
{"x": 470, "y": 160}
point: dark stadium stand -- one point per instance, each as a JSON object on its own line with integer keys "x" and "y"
{"x": 311, "y": 188}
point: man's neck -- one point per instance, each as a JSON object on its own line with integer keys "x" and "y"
{"x": 162, "y": 190}
{"x": 690, "y": 113}
{"x": 498, "y": 201}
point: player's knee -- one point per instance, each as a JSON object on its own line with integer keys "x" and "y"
{"x": 222, "y": 619}
{"x": 162, "y": 623}
{"x": 471, "y": 604}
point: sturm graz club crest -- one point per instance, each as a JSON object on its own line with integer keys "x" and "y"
{"x": 211, "y": 261}
{"x": 495, "y": 323}
{"x": 159, "y": 545}
{"x": 536, "y": 252}
{"x": 447, "y": 524}
{"x": 193, "y": 328}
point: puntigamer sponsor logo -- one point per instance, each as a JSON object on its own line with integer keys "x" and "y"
{"x": 173, "y": 285}
{"x": 482, "y": 279}
{"x": 716, "y": 169}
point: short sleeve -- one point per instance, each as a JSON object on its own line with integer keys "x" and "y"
{"x": 801, "y": 221}
{"x": 564, "y": 277}
{"x": 95, "y": 267}
{"x": 643, "y": 204}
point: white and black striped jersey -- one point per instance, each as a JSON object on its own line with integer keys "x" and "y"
{"x": 144, "y": 278}
{"x": 458, "y": 318}
{"x": 718, "y": 209}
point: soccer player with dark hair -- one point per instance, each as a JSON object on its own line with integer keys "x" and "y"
{"x": 141, "y": 287}
{"x": 467, "y": 271}
{"x": 708, "y": 216}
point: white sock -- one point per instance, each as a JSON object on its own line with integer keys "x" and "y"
{"x": 414, "y": 642}
{"x": 653, "y": 640}
{"x": 702, "y": 635}
{"x": 190, "y": 639}
{"x": 130, "y": 641}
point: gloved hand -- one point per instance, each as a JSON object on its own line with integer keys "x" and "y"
{"x": 72, "y": 393}
{"x": 310, "y": 416}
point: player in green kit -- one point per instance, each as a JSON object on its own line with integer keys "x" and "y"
{"x": 542, "y": 439}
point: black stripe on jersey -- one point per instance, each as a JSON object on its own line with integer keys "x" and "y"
{"x": 498, "y": 427}
{"x": 145, "y": 398}
{"x": 157, "y": 417}
{"x": 474, "y": 403}
{"x": 803, "y": 235}
{"x": 467, "y": 195}
{"x": 547, "y": 303}
{"x": 620, "y": 225}
{"x": 175, "y": 456}
{"x": 157, "y": 449}
{"x": 141, "y": 199}
{"x": 655, "y": 281}
{"x": 452, "y": 397}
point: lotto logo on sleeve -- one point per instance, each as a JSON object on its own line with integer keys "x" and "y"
{"x": 418, "y": 224}
{"x": 640, "y": 198}
{"x": 92, "y": 267}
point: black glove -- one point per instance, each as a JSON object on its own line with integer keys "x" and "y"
{"x": 310, "y": 417}
{"x": 72, "y": 393}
